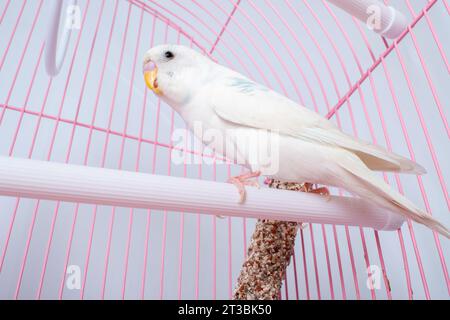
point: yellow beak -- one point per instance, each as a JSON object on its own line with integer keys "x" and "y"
{"x": 150, "y": 77}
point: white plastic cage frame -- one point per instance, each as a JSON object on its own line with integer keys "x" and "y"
{"x": 96, "y": 113}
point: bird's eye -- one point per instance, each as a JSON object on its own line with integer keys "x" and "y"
{"x": 169, "y": 54}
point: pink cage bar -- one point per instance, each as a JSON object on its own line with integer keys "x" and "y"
{"x": 96, "y": 112}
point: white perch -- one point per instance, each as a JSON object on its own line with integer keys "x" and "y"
{"x": 384, "y": 20}
{"x": 73, "y": 183}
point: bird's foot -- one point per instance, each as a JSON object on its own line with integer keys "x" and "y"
{"x": 243, "y": 180}
{"x": 323, "y": 191}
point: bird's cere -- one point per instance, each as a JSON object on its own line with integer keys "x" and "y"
{"x": 150, "y": 71}
{"x": 149, "y": 66}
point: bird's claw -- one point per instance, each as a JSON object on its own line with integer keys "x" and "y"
{"x": 244, "y": 180}
{"x": 323, "y": 191}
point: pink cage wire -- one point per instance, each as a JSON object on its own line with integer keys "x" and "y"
{"x": 97, "y": 113}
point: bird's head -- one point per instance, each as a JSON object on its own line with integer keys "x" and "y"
{"x": 173, "y": 72}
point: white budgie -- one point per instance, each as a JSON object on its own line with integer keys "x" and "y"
{"x": 309, "y": 148}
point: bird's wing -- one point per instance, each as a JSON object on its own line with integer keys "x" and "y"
{"x": 244, "y": 102}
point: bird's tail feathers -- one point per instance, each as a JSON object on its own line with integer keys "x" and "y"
{"x": 368, "y": 185}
